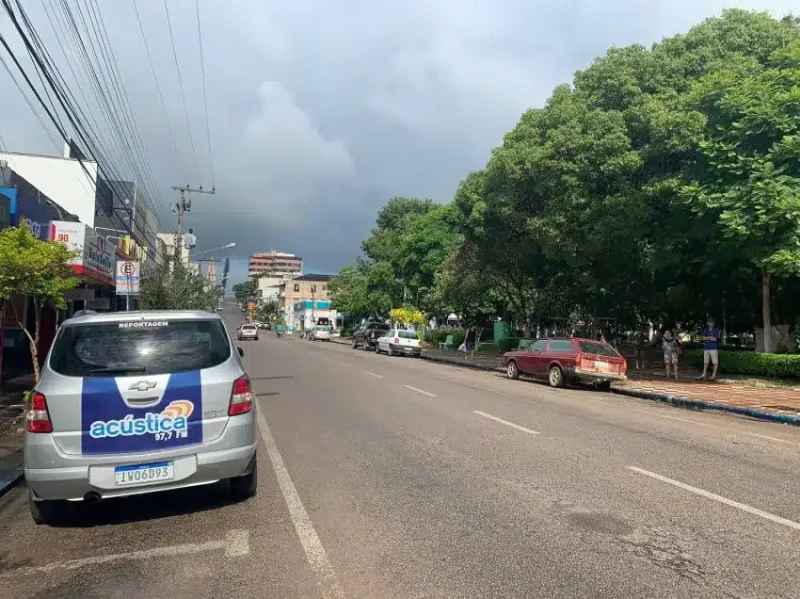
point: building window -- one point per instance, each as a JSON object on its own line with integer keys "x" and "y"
{"x": 324, "y": 287}
{"x": 297, "y": 288}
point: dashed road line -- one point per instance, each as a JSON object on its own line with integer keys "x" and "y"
{"x": 795, "y": 443}
{"x": 685, "y": 420}
{"x": 708, "y": 495}
{"x": 236, "y": 544}
{"x": 315, "y": 553}
{"x": 428, "y": 393}
{"x": 507, "y": 423}
{"x": 379, "y": 376}
{"x": 345, "y": 364}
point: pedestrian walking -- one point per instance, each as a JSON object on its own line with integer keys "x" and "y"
{"x": 711, "y": 338}
{"x": 642, "y": 340}
{"x": 470, "y": 341}
{"x": 672, "y": 349}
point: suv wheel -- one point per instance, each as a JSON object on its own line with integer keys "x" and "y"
{"x": 245, "y": 487}
{"x": 45, "y": 512}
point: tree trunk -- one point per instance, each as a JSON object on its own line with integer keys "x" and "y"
{"x": 527, "y": 328}
{"x": 766, "y": 285}
{"x": 33, "y": 340}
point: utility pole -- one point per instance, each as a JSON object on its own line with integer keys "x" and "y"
{"x": 180, "y": 208}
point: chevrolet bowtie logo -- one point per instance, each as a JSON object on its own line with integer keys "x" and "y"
{"x": 142, "y": 386}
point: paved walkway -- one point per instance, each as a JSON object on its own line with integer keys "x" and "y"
{"x": 739, "y": 395}
{"x": 11, "y": 413}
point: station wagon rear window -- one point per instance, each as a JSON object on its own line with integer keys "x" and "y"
{"x": 598, "y": 349}
{"x": 106, "y": 349}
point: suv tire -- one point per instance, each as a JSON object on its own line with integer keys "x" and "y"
{"x": 46, "y": 512}
{"x": 245, "y": 487}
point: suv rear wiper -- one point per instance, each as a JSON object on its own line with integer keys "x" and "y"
{"x": 117, "y": 369}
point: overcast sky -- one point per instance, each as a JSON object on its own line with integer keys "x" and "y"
{"x": 320, "y": 111}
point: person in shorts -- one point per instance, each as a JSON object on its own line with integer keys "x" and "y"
{"x": 672, "y": 349}
{"x": 710, "y": 337}
{"x": 469, "y": 341}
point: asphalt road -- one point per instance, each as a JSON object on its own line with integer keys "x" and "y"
{"x": 393, "y": 477}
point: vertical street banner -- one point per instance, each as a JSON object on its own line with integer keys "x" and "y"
{"x": 127, "y": 277}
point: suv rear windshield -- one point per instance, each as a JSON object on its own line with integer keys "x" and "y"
{"x": 598, "y": 349}
{"x": 116, "y": 349}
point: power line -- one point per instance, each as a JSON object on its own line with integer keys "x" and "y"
{"x": 205, "y": 97}
{"x": 180, "y": 83}
{"x": 63, "y": 101}
{"x": 158, "y": 87}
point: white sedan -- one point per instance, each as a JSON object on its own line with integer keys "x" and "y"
{"x": 399, "y": 342}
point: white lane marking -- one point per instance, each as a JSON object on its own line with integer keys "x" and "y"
{"x": 380, "y": 376}
{"x": 685, "y": 420}
{"x": 429, "y": 394}
{"x": 236, "y": 544}
{"x": 773, "y": 438}
{"x": 506, "y": 422}
{"x": 315, "y": 552}
{"x": 345, "y": 364}
{"x": 328, "y": 359}
{"x": 720, "y": 498}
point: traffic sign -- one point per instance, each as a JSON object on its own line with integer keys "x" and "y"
{"x": 127, "y": 276}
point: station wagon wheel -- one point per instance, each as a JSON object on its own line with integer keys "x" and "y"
{"x": 556, "y": 377}
{"x": 512, "y": 370}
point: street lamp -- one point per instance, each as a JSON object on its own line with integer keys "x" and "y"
{"x": 222, "y": 247}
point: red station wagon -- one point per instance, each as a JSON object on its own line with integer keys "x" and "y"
{"x": 568, "y": 360}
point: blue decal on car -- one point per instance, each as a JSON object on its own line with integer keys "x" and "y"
{"x": 109, "y": 425}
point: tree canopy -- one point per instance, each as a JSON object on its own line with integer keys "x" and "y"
{"x": 661, "y": 185}
{"x": 38, "y": 269}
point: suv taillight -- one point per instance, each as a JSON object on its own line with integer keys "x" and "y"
{"x": 38, "y": 418}
{"x": 241, "y": 398}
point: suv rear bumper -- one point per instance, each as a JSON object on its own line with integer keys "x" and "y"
{"x": 229, "y": 456}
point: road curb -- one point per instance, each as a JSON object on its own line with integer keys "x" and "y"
{"x": 676, "y": 400}
{"x": 464, "y": 364}
{"x": 685, "y": 402}
{"x": 8, "y": 482}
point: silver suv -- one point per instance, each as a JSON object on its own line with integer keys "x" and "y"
{"x": 139, "y": 402}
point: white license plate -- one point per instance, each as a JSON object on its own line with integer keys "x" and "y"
{"x": 602, "y": 366}
{"x": 143, "y": 474}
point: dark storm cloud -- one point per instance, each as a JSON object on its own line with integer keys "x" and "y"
{"x": 320, "y": 111}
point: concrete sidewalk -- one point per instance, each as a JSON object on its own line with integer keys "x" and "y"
{"x": 773, "y": 403}
{"x": 11, "y": 422}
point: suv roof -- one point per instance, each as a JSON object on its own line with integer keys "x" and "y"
{"x": 107, "y": 317}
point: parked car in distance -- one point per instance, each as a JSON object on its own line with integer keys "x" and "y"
{"x": 320, "y": 332}
{"x": 248, "y": 331}
{"x": 399, "y": 342}
{"x": 366, "y": 336}
{"x": 568, "y": 360}
{"x": 138, "y": 402}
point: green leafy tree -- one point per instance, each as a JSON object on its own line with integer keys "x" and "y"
{"x": 177, "y": 288}
{"x": 245, "y": 291}
{"x": 38, "y": 269}
{"x": 749, "y": 179}
{"x": 266, "y": 312}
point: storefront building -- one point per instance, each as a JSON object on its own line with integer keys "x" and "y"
{"x": 308, "y": 313}
{"x": 94, "y": 264}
